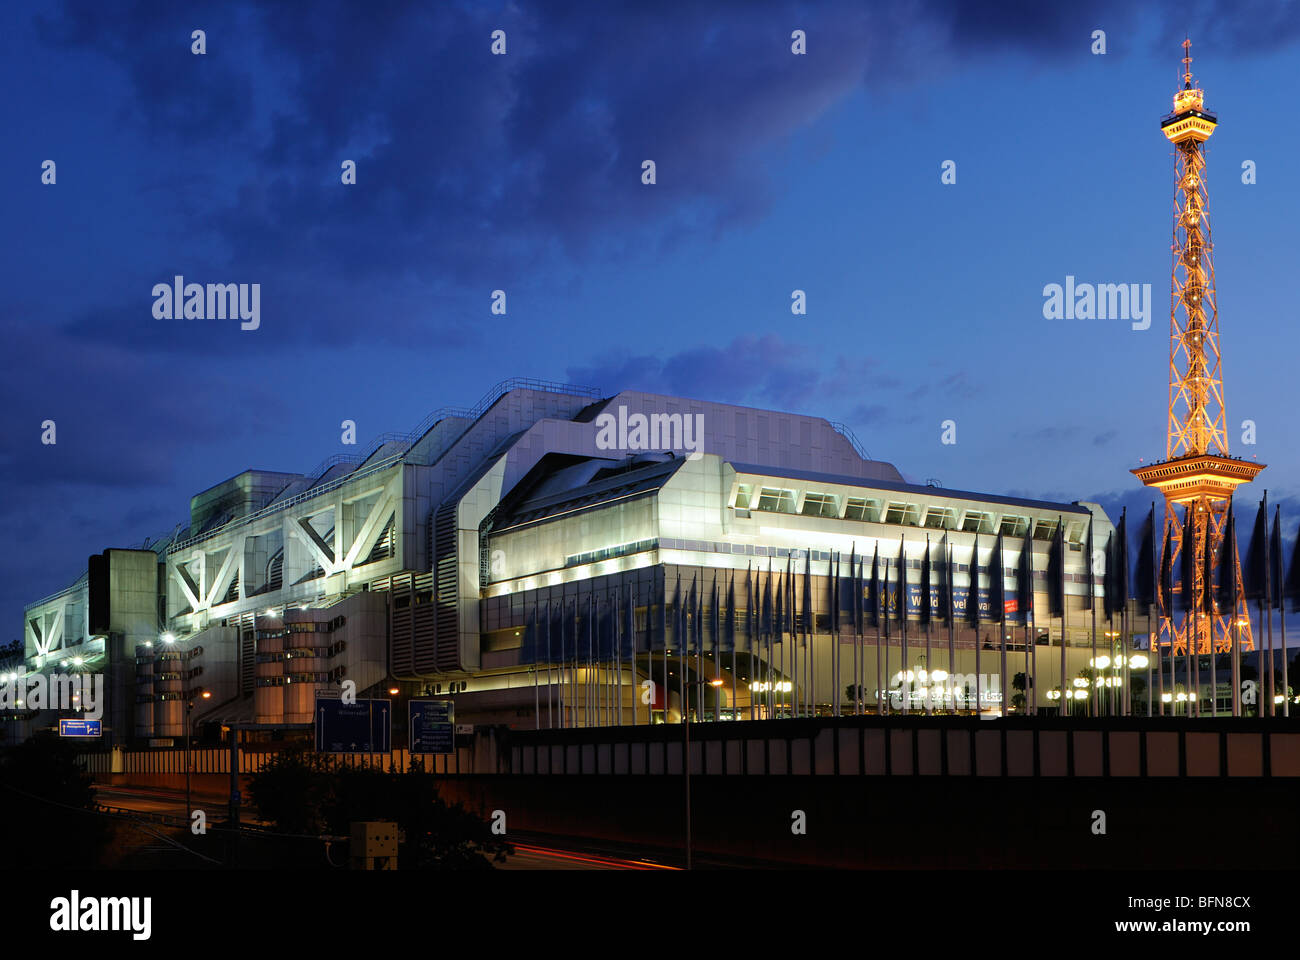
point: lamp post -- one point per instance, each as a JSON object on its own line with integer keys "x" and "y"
{"x": 189, "y": 708}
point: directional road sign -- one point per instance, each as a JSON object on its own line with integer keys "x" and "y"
{"x": 80, "y": 728}
{"x": 432, "y": 726}
{"x": 361, "y": 727}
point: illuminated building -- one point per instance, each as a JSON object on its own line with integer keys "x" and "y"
{"x": 443, "y": 559}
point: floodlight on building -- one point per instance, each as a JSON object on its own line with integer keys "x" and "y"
{"x": 168, "y": 638}
{"x": 1138, "y": 661}
{"x": 716, "y": 682}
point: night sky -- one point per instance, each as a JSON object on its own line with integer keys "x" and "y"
{"x": 522, "y": 172}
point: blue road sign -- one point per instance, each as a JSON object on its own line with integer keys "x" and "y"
{"x": 432, "y": 726}
{"x": 361, "y": 727}
{"x": 80, "y": 728}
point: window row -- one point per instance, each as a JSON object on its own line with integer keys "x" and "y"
{"x": 898, "y": 512}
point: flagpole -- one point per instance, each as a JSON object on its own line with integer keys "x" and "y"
{"x": 884, "y": 678}
{"x": 1125, "y": 636}
{"x": 1169, "y": 612}
{"x": 1209, "y": 615}
{"x": 631, "y": 629}
{"x": 561, "y": 669}
{"x": 715, "y": 620}
{"x": 902, "y": 623}
{"x": 1236, "y": 662}
{"x": 1268, "y": 607}
{"x": 1154, "y": 641}
{"x": 928, "y": 613}
{"x": 835, "y": 621}
{"x": 809, "y": 651}
{"x": 1031, "y": 641}
{"x": 1281, "y": 606}
{"x": 882, "y": 704}
{"x": 615, "y": 684}
{"x": 973, "y": 597}
{"x": 856, "y": 593}
{"x": 952, "y": 625}
{"x": 1152, "y": 655}
{"x": 1065, "y": 692}
{"x": 1194, "y": 638}
{"x": 731, "y": 620}
{"x": 785, "y": 670}
{"x": 667, "y": 689}
{"x": 550, "y": 718}
{"x": 1001, "y": 594}
{"x": 765, "y": 641}
{"x": 1094, "y": 701}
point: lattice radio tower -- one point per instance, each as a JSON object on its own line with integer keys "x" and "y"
{"x": 1197, "y": 472}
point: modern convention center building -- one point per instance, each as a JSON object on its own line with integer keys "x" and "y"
{"x": 555, "y": 557}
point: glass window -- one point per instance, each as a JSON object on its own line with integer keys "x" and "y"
{"x": 742, "y": 496}
{"x": 940, "y": 518}
{"x": 776, "y": 501}
{"x": 1044, "y": 529}
{"x": 820, "y": 505}
{"x": 1013, "y": 526}
{"x": 1074, "y": 533}
{"x": 977, "y": 521}
{"x": 860, "y": 508}
{"x": 907, "y": 514}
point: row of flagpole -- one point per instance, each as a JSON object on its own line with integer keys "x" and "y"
{"x": 577, "y": 650}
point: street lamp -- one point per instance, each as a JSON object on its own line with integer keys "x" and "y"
{"x": 189, "y": 707}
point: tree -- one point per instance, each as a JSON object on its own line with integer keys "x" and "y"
{"x": 1018, "y": 700}
{"x": 301, "y": 793}
{"x": 42, "y": 783}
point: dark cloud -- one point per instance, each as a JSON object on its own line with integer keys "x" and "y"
{"x": 473, "y": 167}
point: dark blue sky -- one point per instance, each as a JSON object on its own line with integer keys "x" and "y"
{"x": 775, "y": 172}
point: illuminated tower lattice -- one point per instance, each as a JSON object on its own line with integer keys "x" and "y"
{"x": 1197, "y": 471}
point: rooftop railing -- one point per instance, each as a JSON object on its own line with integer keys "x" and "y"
{"x": 471, "y": 415}
{"x": 844, "y": 431}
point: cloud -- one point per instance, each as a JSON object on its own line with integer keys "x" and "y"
{"x": 471, "y": 167}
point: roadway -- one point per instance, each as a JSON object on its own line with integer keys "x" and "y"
{"x": 533, "y": 852}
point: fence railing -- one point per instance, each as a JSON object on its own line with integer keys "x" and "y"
{"x": 847, "y": 746}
